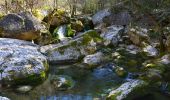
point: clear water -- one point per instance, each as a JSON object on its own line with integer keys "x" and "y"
{"x": 90, "y": 85}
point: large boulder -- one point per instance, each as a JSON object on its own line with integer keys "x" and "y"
{"x": 121, "y": 18}
{"x": 21, "y": 62}
{"x": 22, "y": 26}
{"x": 128, "y": 90}
{"x": 110, "y": 17}
{"x": 71, "y": 51}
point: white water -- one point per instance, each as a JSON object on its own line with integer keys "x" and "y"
{"x": 61, "y": 32}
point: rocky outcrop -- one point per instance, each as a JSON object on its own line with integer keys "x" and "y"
{"x": 136, "y": 87}
{"x": 73, "y": 50}
{"x": 21, "y": 62}
{"x": 22, "y": 26}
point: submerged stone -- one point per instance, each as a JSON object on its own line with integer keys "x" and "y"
{"x": 62, "y": 82}
{"x": 24, "y": 89}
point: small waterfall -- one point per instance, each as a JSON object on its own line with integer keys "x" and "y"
{"x": 61, "y": 32}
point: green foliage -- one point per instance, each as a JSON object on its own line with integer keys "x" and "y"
{"x": 55, "y": 35}
{"x": 70, "y": 32}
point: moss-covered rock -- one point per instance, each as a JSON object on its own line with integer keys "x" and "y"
{"x": 73, "y": 50}
{"x": 121, "y": 72}
{"x": 21, "y": 63}
{"x": 77, "y": 25}
{"x": 129, "y": 90}
{"x": 56, "y": 18}
{"x": 70, "y": 32}
{"x": 38, "y": 14}
{"x": 45, "y": 38}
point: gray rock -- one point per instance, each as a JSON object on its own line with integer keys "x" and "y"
{"x": 110, "y": 18}
{"x": 165, "y": 59}
{"x": 124, "y": 91}
{"x": 112, "y": 34}
{"x": 21, "y": 26}
{"x": 73, "y": 50}
{"x": 151, "y": 51}
{"x": 132, "y": 49}
{"x": 121, "y": 18}
{"x": 21, "y": 60}
{"x": 138, "y": 35}
{"x": 4, "y": 98}
{"x": 94, "y": 59}
{"x": 98, "y": 17}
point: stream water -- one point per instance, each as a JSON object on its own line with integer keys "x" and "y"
{"x": 89, "y": 85}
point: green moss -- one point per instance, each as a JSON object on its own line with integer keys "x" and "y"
{"x": 37, "y": 13}
{"x": 113, "y": 96}
{"x": 91, "y": 35}
{"x": 33, "y": 79}
{"x": 54, "y": 35}
{"x": 70, "y": 32}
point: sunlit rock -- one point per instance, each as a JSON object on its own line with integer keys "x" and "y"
{"x": 94, "y": 59}
{"x": 151, "y": 51}
{"x": 21, "y": 62}
{"x": 128, "y": 90}
{"x": 22, "y": 26}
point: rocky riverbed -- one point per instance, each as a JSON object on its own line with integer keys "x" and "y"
{"x": 81, "y": 58}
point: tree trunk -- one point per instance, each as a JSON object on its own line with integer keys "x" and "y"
{"x": 6, "y": 6}
{"x": 73, "y": 12}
